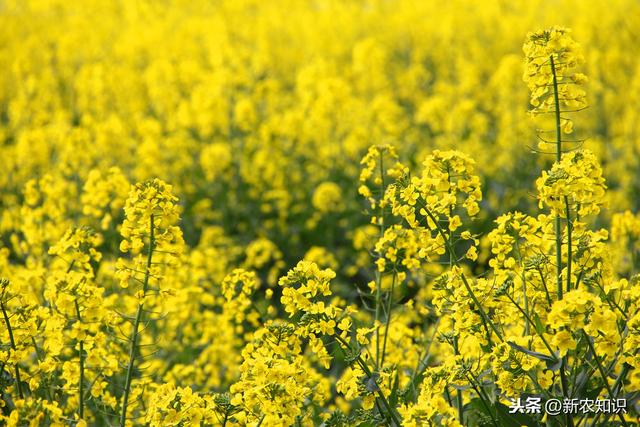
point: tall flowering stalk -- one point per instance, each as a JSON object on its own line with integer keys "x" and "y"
{"x": 376, "y": 179}
{"x": 149, "y": 229}
{"x": 4, "y": 284}
{"x": 73, "y": 291}
{"x": 551, "y": 58}
{"x": 572, "y": 189}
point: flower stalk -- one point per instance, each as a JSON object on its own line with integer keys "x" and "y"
{"x": 12, "y": 342}
{"x": 136, "y": 325}
{"x": 81, "y": 367}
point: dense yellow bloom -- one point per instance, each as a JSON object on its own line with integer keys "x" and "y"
{"x": 578, "y": 178}
{"x": 625, "y": 238}
{"x": 104, "y": 196}
{"x": 304, "y": 287}
{"x": 238, "y": 288}
{"x": 215, "y": 159}
{"x": 258, "y": 289}
{"x": 151, "y": 208}
{"x": 447, "y": 183}
{"x": 151, "y": 215}
{"x": 541, "y": 48}
{"x": 327, "y": 197}
{"x": 276, "y": 379}
{"x": 431, "y": 405}
{"x": 173, "y": 406}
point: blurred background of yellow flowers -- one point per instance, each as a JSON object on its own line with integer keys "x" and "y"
{"x": 304, "y": 136}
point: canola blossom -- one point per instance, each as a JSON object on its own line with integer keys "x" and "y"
{"x": 319, "y": 213}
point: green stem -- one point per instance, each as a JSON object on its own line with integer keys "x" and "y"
{"x": 13, "y": 347}
{"x": 81, "y": 385}
{"x": 529, "y": 320}
{"x": 484, "y": 398}
{"x": 378, "y": 273}
{"x": 459, "y": 404}
{"x": 388, "y": 320}
{"x": 569, "y": 234}
{"x": 377, "y": 315}
{"x": 556, "y": 101}
{"x": 602, "y": 374}
{"x": 134, "y": 338}
{"x": 544, "y": 285}
{"x": 565, "y": 387}
{"x": 452, "y": 260}
{"x": 81, "y": 357}
{"x": 527, "y": 324}
{"x": 369, "y": 375}
{"x": 558, "y": 232}
{"x": 558, "y": 224}
{"x": 483, "y": 315}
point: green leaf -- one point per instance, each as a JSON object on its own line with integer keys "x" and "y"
{"x": 393, "y": 396}
{"x": 539, "y": 326}
{"x": 535, "y": 354}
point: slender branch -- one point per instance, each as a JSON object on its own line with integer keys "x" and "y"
{"x": 13, "y": 347}
{"x": 569, "y": 237}
{"x": 388, "y": 319}
{"x": 81, "y": 357}
{"x": 378, "y": 273}
{"x": 558, "y": 224}
{"x": 544, "y": 285}
{"x": 459, "y": 402}
{"x": 484, "y": 398}
{"x": 526, "y": 316}
{"x": 527, "y": 324}
{"x": 483, "y": 315}
{"x": 136, "y": 325}
{"x": 369, "y": 375}
{"x": 602, "y": 374}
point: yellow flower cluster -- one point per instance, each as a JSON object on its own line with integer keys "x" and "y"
{"x": 182, "y": 241}
{"x": 173, "y": 406}
{"x": 625, "y": 237}
{"x": 238, "y": 288}
{"x": 574, "y": 184}
{"x": 327, "y": 197}
{"x": 151, "y": 215}
{"x": 551, "y": 58}
{"x": 103, "y": 196}
{"x": 276, "y": 380}
{"x": 304, "y": 287}
{"x": 447, "y": 181}
{"x": 151, "y": 212}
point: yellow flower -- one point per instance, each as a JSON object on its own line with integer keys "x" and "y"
{"x": 327, "y": 198}
{"x": 578, "y": 177}
{"x": 472, "y": 253}
{"x": 564, "y": 341}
